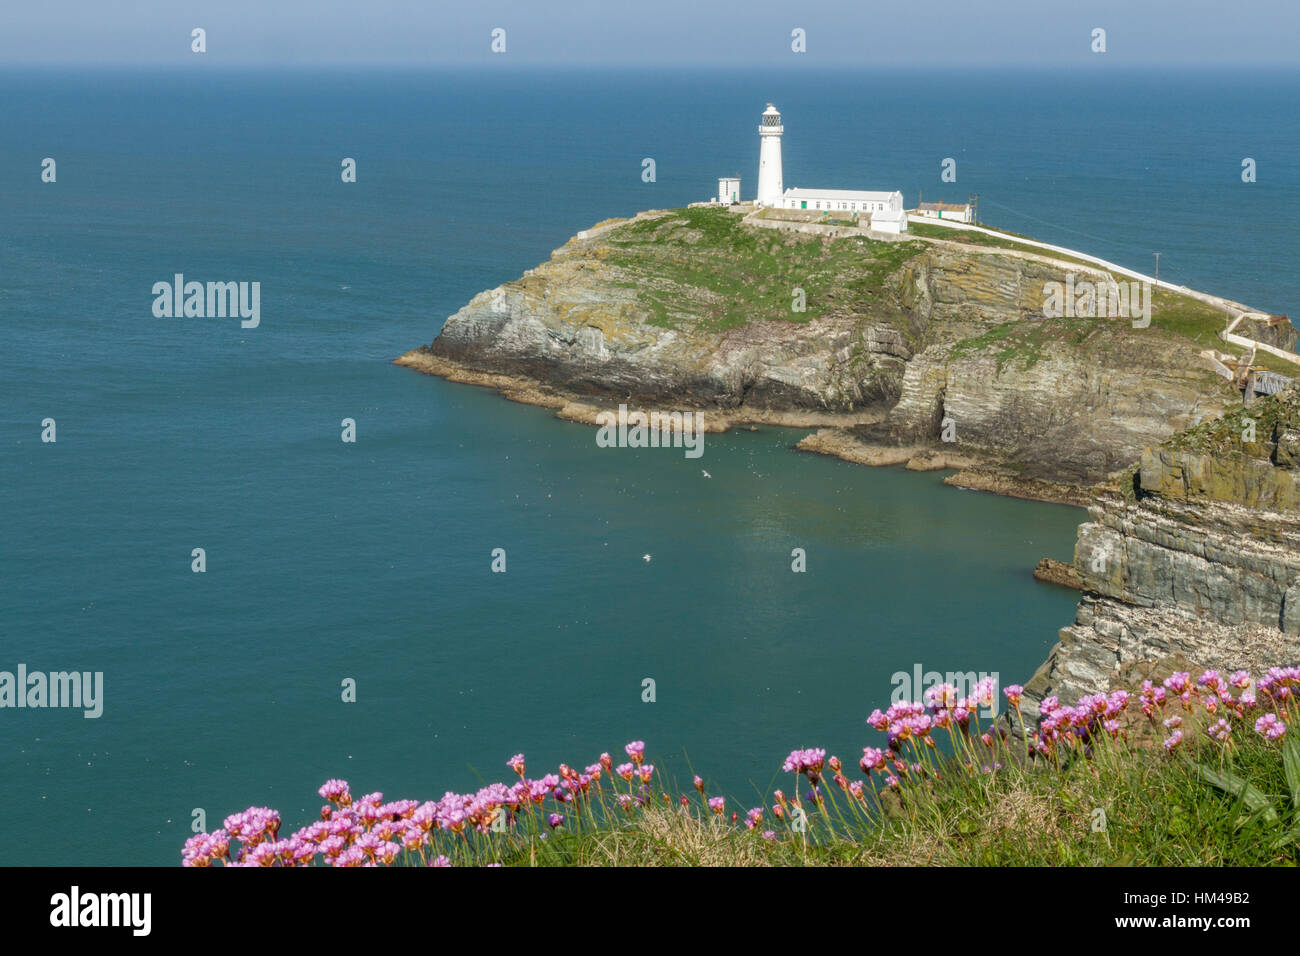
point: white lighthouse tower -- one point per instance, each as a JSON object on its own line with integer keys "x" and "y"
{"x": 769, "y": 158}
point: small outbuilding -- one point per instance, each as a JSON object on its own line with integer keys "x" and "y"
{"x": 952, "y": 212}
{"x": 728, "y": 190}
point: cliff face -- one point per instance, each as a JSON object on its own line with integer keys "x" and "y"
{"x": 692, "y": 308}
{"x": 1071, "y": 415}
{"x": 1193, "y": 560}
{"x": 697, "y": 310}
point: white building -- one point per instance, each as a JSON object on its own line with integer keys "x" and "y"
{"x": 882, "y": 211}
{"x": 885, "y": 209}
{"x": 954, "y": 212}
{"x": 769, "y": 157}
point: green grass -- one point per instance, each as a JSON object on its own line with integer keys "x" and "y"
{"x": 703, "y": 265}
{"x": 1024, "y": 342}
{"x": 1126, "y": 803}
{"x": 928, "y": 230}
{"x": 1190, "y": 318}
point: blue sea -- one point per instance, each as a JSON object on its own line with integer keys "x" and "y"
{"x": 370, "y": 562}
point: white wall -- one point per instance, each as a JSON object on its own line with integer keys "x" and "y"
{"x": 946, "y": 216}
{"x": 820, "y": 203}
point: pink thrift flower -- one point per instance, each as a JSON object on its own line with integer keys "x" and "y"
{"x": 1220, "y": 730}
{"x": 808, "y": 762}
{"x": 941, "y": 697}
{"x": 1178, "y": 683}
{"x": 336, "y": 791}
{"x": 1270, "y": 726}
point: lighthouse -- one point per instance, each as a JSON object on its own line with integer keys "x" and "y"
{"x": 769, "y": 158}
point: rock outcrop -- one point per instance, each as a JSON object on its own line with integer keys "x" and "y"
{"x": 1192, "y": 558}
{"x": 1058, "y": 572}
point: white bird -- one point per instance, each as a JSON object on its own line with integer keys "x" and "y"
{"x": 645, "y": 557}
{"x": 705, "y": 473}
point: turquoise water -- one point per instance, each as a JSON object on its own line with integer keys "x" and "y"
{"x": 328, "y": 561}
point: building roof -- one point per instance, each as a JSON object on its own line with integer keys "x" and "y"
{"x": 847, "y": 195}
{"x": 944, "y": 206}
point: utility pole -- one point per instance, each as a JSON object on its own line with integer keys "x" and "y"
{"x": 974, "y": 199}
{"x": 1157, "y": 270}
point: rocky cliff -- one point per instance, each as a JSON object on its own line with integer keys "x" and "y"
{"x": 885, "y": 340}
{"x": 1192, "y": 557}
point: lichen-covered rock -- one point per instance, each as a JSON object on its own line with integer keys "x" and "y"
{"x": 1067, "y": 416}
{"x": 1274, "y": 330}
{"x": 1192, "y": 560}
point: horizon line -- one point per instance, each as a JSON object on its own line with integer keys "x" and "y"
{"x": 1145, "y": 66}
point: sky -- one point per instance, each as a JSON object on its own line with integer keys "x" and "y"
{"x": 669, "y": 33}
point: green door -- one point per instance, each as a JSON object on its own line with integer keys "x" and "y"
{"x": 804, "y": 204}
